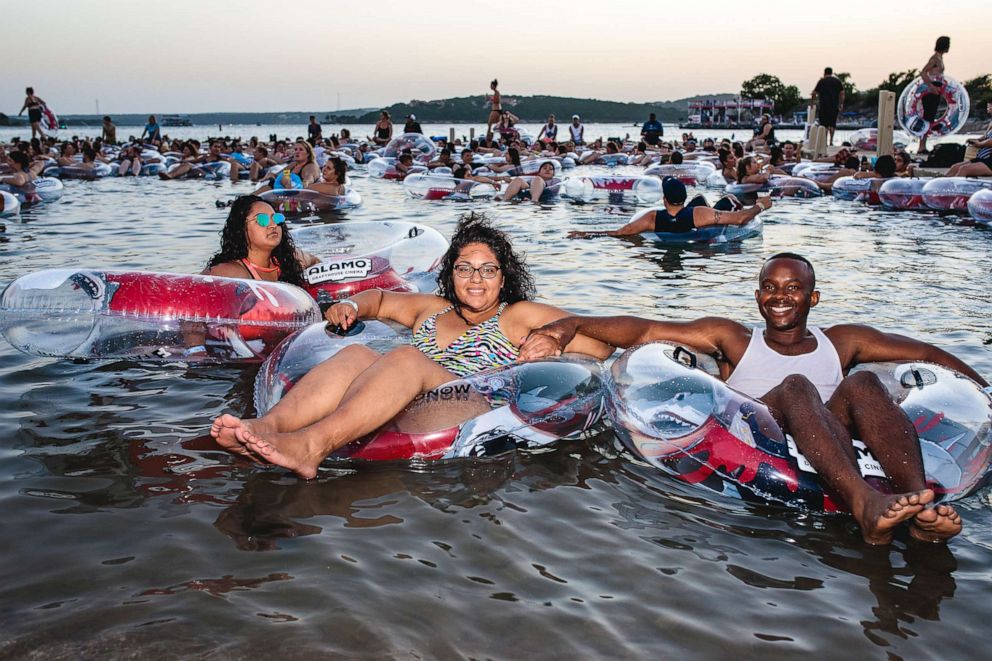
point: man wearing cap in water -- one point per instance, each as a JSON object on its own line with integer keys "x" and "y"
{"x": 577, "y": 131}
{"x": 677, "y": 216}
{"x": 412, "y": 126}
{"x": 802, "y": 374}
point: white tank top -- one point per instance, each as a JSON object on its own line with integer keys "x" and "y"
{"x": 761, "y": 368}
{"x": 576, "y": 132}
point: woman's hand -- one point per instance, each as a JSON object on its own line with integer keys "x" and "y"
{"x": 343, "y": 314}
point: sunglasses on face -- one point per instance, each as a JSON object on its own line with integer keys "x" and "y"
{"x": 263, "y": 219}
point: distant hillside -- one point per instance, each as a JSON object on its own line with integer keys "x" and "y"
{"x": 455, "y": 110}
{"x": 528, "y": 109}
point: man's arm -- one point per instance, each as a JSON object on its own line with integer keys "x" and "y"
{"x": 863, "y": 344}
{"x": 708, "y": 334}
{"x": 641, "y": 223}
{"x": 703, "y": 216}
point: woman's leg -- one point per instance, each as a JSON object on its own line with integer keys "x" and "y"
{"x": 974, "y": 170}
{"x": 315, "y": 396}
{"x": 376, "y": 396}
{"x": 136, "y": 167}
{"x": 515, "y": 186}
{"x": 536, "y": 188}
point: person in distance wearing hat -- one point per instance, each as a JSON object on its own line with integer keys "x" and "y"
{"x": 677, "y": 216}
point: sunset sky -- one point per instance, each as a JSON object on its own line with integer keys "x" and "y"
{"x": 189, "y": 56}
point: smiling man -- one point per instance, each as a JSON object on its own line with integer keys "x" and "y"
{"x": 801, "y": 373}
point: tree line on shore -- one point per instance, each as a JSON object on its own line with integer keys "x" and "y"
{"x": 789, "y": 98}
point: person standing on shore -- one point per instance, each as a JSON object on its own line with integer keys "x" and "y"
{"x": 932, "y": 74}
{"x": 34, "y": 106}
{"x": 829, "y": 93}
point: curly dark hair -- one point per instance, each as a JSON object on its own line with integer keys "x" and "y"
{"x": 340, "y": 169}
{"x": 477, "y": 228}
{"x": 234, "y": 243}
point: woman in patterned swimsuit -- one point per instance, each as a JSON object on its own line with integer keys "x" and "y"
{"x": 478, "y": 321}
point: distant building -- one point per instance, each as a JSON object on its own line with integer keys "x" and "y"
{"x": 176, "y": 120}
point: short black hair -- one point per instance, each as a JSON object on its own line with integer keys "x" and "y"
{"x": 797, "y": 257}
{"x": 828, "y": 71}
{"x": 885, "y": 165}
{"x": 943, "y": 44}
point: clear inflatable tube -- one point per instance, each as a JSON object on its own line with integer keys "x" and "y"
{"x": 952, "y": 193}
{"x": 139, "y": 315}
{"x": 46, "y": 189}
{"x": 901, "y": 194}
{"x": 856, "y": 190}
{"x": 390, "y": 255}
{"x": 690, "y": 174}
{"x": 385, "y": 168}
{"x": 954, "y": 99}
{"x": 9, "y": 204}
{"x": 523, "y": 405}
{"x": 614, "y": 190}
{"x": 695, "y": 428}
{"x": 299, "y": 202}
{"x": 980, "y": 206}
{"x": 421, "y": 146}
{"x": 441, "y": 187}
{"x": 867, "y": 139}
{"x": 97, "y": 171}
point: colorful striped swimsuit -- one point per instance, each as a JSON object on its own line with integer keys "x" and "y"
{"x": 479, "y": 348}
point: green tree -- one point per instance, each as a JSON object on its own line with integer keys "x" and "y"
{"x": 980, "y": 91}
{"x": 898, "y": 80}
{"x": 766, "y": 86}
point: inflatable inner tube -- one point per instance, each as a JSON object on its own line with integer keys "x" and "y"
{"x": 439, "y": 187}
{"x": 297, "y": 203}
{"x": 9, "y": 204}
{"x": 613, "y": 190}
{"x": 857, "y": 190}
{"x": 421, "y": 146}
{"x": 690, "y": 174}
{"x": 96, "y": 171}
{"x": 951, "y": 194}
{"x": 900, "y": 194}
{"x": 523, "y": 405}
{"x": 390, "y": 255}
{"x": 382, "y": 168}
{"x": 675, "y": 416}
{"x": 138, "y": 315}
{"x": 950, "y": 114}
{"x": 980, "y": 206}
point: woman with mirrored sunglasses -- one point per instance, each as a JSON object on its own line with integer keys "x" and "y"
{"x": 477, "y": 321}
{"x": 255, "y": 244}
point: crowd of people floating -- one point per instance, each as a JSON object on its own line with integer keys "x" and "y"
{"x": 483, "y": 314}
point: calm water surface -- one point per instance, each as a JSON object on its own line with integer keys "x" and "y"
{"x": 126, "y": 532}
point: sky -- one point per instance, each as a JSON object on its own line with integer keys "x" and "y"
{"x": 190, "y": 56}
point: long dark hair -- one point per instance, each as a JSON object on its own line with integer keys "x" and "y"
{"x": 742, "y": 167}
{"x": 234, "y": 243}
{"x": 340, "y": 169}
{"x": 477, "y": 228}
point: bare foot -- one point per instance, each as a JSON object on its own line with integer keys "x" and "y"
{"x": 224, "y": 430}
{"x": 881, "y": 514}
{"x": 293, "y": 450}
{"x": 935, "y": 524}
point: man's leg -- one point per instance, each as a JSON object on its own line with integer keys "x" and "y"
{"x": 863, "y": 405}
{"x": 826, "y": 443}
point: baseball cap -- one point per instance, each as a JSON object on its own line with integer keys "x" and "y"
{"x": 575, "y": 116}
{"x": 412, "y": 116}
{"x": 674, "y": 190}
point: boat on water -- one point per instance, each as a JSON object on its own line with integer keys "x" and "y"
{"x": 176, "y": 120}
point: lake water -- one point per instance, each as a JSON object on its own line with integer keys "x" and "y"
{"x": 127, "y": 532}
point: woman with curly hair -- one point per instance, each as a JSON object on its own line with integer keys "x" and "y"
{"x": 256, "y": 245}
{"x": 480, "y": 316}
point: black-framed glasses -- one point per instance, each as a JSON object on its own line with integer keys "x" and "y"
{"x": 487, "y": 271}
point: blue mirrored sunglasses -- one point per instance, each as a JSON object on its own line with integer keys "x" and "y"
{"x": 263, "y": 219}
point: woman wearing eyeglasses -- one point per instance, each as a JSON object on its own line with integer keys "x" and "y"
{"x": 478, "y": 320}
{"x": 256, "y": 245}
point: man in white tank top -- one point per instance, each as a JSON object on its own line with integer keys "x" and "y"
{"x": 799, "y": 373}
